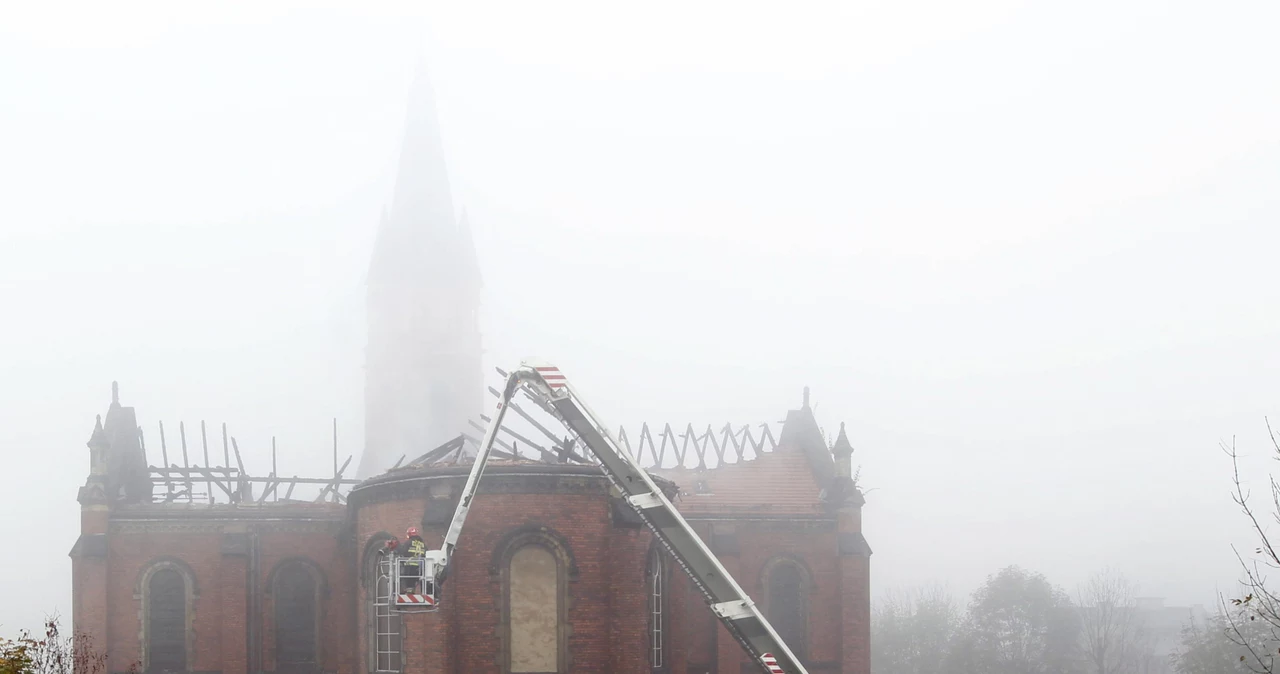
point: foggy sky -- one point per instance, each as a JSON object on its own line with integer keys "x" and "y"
{"x": 1026, "y": 252}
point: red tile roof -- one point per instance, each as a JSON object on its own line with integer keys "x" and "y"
{"x": 780, "y": 482}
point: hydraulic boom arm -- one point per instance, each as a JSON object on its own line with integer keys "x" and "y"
{"x": 730, "y": 604}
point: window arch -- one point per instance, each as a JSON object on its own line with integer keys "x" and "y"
{"x": 786, "y": 584}
{"x": 655, "y": 579}
{"x": 296, "y": 588}
{"x": 536, "y": 568}
{"x": 385, "y": 638}
{"x": 167, "y": 590}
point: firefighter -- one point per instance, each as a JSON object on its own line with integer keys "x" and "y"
{"x": 411, "y": 552}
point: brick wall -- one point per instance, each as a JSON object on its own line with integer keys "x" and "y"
{"x": 606, "y": 592}
{"x": 699, "y": 644}
{"x": 88, "y": 608}
{"x": 129, "y": 556}
{"x": 856, "y": 610}
{"x": 218, "y": 606}
{"x": 335, "y": 649}
{"x": 606, "y": 574}
{"x": 627, "y": 613}
{"x": 815, "y": 551}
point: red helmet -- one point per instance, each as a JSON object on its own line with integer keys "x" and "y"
{"x": 413, "y": 531}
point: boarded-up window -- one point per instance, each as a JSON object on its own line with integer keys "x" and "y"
{"x": 167, "y": 622}
{"x": 295, "y": 600}
{"x": 786, "y": 604}
{"x": 534, "y": 611}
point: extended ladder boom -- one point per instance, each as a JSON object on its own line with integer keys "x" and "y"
{"x": 477, "y": 469}
{"x": 552, "y": 391}
{"x": 432, "y": 568}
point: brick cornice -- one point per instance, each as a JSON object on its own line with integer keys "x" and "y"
{"x": 810, "y": 524}
{"x": 181, "y": 526}
{"x": 522, "y": 479}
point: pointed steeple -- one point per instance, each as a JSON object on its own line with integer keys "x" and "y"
{"x": 421, "y": 216}
{"x": 423, "y": 191}
{"x": 423, "y": 380}
{"x": 468, "y": 262}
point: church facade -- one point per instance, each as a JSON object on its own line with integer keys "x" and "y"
{"x": 553, "y": 573}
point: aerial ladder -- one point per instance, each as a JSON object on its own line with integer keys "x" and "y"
{"x": 416, "y": 582}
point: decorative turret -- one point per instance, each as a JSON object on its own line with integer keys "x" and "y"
{"x": 117, "y": 467}
{"x": 843, "y": 451}
{"x": 842, "y": 489}
{"x": 98, "y": 446}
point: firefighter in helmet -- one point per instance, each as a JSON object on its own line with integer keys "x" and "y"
{"x": 410, "y": 552}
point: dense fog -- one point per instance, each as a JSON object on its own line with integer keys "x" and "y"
{"x": 1025, "y": 252}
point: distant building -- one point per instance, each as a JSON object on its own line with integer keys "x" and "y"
{"x": 1163, "y": 625}
{"x": 1159, "y": 631}
{"x": 185, "y": 563}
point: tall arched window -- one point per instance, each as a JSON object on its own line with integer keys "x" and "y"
{"x": 656, "y": 588}
{"x": 786, "y": 602}
{"x": 383, "y": 624}
{"x": 295, "y": 589}
{"x": 166, "y": 587}
{"x": 536, "y": 568}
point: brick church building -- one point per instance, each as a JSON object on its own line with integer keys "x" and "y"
{"x": 205, "y": 569}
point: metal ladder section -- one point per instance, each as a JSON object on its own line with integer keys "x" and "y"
{"x": 386, "y": 621}
{"x": 731, "y": 605}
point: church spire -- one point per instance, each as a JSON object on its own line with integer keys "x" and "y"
{"x": 422, "y": 182}
{"x": 469, "y": 264}
{"x": 423, "y": 380}
{"x": 421, "y": 215}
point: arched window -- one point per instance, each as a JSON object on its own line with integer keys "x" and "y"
{"x": 167, "y": 588}
{"x": 786, "y": 602}
{"x": 534, "y": 616}
{"x": 295, "y": 589}
{"x": 536, "y": 567}
{"x": 385, "y": 638}
{"x": 656, "y": 588}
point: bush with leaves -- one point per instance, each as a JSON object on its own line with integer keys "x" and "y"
{"x": 1017, "y": 623}
{"x": 14, "y": 657}
{"x": 911, "y": 631}
{"x": 52, "y": 653}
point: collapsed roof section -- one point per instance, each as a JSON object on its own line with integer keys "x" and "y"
{"x": 729, "y": 469}
{"x": 122, "y": 472}
{"x": 717, "y": 471}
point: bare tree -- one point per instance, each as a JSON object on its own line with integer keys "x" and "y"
{"x": 1253, "y": 619}
{"x": 912, "y": 631}
{"x": 1111, "y": 633}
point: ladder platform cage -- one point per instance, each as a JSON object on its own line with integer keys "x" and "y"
{"x": 412, "y": 588}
